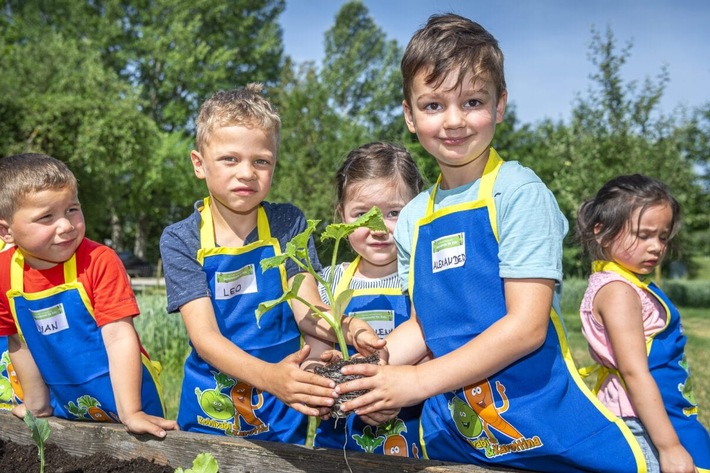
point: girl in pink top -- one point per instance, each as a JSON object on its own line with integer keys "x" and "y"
{"x": 633, "y": 330}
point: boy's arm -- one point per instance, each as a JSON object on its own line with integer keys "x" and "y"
{"x": 285, "y": 379}
{"x": 35, "y": 390}
{"x": 522, "y": 330}
{"x": 125, "y": 369}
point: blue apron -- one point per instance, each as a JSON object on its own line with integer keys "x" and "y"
{"x": 670, "y": 370}
{"x": 60, "y": 330}
{"x": 384, "y": 309}
{"x": 212, "y": 402}
{"x": 535, "y": 414}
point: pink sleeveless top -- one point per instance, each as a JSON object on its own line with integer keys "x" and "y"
{"x": 611, "y": 393}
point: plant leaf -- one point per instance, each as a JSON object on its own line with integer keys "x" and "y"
{"x": 297, "y": 248}
{"x": 291, "y": 293}
{"x": 342, "y": 300}
{"x": 373, "y": 220}
{"x": 39, "y": 428}
{"x": 205, "y": 463}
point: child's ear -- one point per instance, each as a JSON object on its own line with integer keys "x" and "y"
{"x": 408, "y": 117}
{"x": 5, "y": 234}
{"x": 597, "y": 231}
{"x": 196, "y": 159}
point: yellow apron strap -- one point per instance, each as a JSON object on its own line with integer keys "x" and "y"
{"x": 348, "y": 274}
{"x": 490, "y": 173}
{"x": 207, "y": 238}
{"x": 638, "y": 282}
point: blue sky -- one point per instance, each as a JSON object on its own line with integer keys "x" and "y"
{"x": 546, "y": 43}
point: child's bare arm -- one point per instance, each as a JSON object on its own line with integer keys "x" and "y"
{"x": 619, "y": 309}
{"x": 125, "y": 368}
{"x": 35, "y": 390}
{"x": 521, "y": 331}
{"x": 285, "y": 379}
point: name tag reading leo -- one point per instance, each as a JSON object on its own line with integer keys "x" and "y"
{"x": 448, "y": 252}
{"x": 234, "y": 283}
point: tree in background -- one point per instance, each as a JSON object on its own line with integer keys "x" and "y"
{"x": 168, "y": 56}
{"x": 354, "y": 98}
{"x": 616, "y": 129}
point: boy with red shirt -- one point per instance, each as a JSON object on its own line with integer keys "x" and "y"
{"x": 67, "y": 306}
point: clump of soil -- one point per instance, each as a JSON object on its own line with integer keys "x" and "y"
{"x": 24, "y": 459}
{"x": 332, "y": 371}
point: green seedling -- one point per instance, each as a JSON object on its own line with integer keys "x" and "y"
{"x": 203, "y": 463}
{"x": 40, "y": 433}
{"x": 297, "y": 250}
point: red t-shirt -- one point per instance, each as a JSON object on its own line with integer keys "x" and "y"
{"x": 98, "y": 269}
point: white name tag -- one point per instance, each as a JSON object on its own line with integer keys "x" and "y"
{"x": 381, "y": 321}
{"x": 50, "y": 320}
{"x": 233, "y": 283}
{"x": 448, "y": 252}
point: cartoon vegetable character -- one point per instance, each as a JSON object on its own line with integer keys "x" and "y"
{"x": 395, "y": 442}
{"x": 215, "y": 403}
{"x": 368, "y": 441}
{"x": 92, "y": 408}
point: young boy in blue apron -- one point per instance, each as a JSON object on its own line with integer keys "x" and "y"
{"x": 480, "y": 253}
{"x": 67, "y": 307}
{"x": 243, "y": 379}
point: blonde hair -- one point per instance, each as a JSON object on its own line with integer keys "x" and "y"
{"x": 241, "y": 107}
{"x": 29, "y": 173}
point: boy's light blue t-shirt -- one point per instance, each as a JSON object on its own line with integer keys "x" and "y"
{"x": 531, "y": 226}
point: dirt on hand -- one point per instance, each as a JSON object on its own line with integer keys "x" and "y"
{"x": 332, "y": 371}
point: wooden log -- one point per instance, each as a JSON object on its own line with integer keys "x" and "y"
{"x": 234, "y": 455}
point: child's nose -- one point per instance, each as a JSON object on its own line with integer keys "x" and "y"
{"x": 453, "y": 118}
{"x": 245, "y": 171}
{"x": 65, "y": 225}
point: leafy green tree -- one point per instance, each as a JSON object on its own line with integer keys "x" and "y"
{"x": 616, "y": 129}
{"x": 169, "y": 55}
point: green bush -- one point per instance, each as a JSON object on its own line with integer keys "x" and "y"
{"x": 693, "y": 293}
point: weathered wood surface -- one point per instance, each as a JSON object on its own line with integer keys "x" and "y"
{"x": 234, "y": 455}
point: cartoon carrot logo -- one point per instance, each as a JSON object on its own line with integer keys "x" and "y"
{"x": 395, "y": 442}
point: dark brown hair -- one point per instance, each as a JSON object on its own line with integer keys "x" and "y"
{"x": 602, "y": 219}
{"x": 377, "y": 160}
{"x": 449, "y": 42}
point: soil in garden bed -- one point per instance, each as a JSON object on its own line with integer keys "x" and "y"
{"x": 18, "y": 458}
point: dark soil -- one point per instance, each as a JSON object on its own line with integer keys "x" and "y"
{"x": 332, "y": 371}
{"x": 17, "y": 458}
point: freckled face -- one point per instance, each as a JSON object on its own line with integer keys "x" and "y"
{"x": 377, "y": 249}
{"x": 643, "y": 244}
{"x": 48, "y": 227}
{"x": 237, "y": 163}
{"x": 455, "y": 124}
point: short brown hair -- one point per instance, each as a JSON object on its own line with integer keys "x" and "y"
{"x": 241, "y": 107}
{"x": 449, "y": 42}
{"x": 29, "y": 173}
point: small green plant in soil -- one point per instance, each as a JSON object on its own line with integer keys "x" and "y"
{"x": 40, "y": 433}
{"x": 203, "y": 463}
{"x": 297, "y": 251}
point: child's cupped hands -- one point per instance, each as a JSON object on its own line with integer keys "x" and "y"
{"x": 389, "y": 388}
{"x": 306, "y": 392}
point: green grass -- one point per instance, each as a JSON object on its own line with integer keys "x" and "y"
{"x": 165, "y": 338}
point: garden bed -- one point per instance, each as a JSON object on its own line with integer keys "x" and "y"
{"x": 103, "y": 444}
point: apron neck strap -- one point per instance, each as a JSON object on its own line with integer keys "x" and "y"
{"x": 488, "y": 179}
{"x": 17, "y": 268}
{"x": 207, "y": 236}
